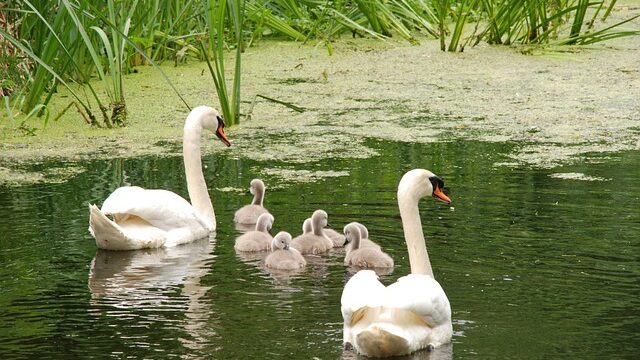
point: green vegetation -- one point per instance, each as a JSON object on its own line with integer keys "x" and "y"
{"x": 45, "y": 44}
{"x": 217, "y": 14}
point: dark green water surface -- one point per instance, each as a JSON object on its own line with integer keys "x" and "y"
{"x": 535, "y": 267}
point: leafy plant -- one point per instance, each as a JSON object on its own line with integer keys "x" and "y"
{"x": 68, "y": 43}
{"x": 219, "y": 13}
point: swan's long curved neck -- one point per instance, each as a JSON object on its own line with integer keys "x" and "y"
{"x": 413, "y": 235}
{"x": 258, "y": 197}
{"x": 198, "y": 193}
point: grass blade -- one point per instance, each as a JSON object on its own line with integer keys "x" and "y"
{"x": 287, "y": 104}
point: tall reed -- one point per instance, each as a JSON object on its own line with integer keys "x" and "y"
{"x": 540, "y": 22}
{"x": 229, "y": 13}
{"x": 44, "y": 52}
{"x": 113, "y": 48}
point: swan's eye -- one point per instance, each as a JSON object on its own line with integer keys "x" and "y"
{"x": 220, "y": 121}
{"x": 437, "y": 186}
{"x": 436, "y": 182}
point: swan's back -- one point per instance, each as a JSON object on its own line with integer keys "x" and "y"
{"x": 433, "y": 307}
{"x": 160, "y": 208}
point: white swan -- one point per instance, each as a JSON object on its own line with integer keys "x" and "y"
{"x": 156, "y": 218}
{"x": 248, "y": 214}
{"x": 284, "y": 257}
{"x": 258, "y": 239}
{"x": 412, "y": 313}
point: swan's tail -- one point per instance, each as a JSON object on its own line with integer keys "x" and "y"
{"x": 381, "y": 343}
{"x": 127, "y": 232}
{"x": 106, "y": 232}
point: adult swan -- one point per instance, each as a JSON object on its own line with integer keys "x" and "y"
{"x": 412, "y": 313}
{"x": 156, "y": 218}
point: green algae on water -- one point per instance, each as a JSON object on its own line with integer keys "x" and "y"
{"x": 368, "y": 89}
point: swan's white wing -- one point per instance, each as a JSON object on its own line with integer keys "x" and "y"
{"x": 363, "y": 289}
{"x": 161, "y": 208}
{"x": 361, "y": 293}
{"x": 422, "y": 295}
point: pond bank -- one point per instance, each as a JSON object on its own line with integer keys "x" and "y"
{"x": 558, "y": 107}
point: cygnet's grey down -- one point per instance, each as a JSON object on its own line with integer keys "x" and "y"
{"x": 284, "y": 257}
{"x": 364, "y": 239}
{"x": 258, "y": 239}
{"x": 307, "y": 228}
{"x": 364, "y": 257}
{"x": 337, "y": 239}
{"x": 249, "y": 214}
{"x": 315, "y": 242}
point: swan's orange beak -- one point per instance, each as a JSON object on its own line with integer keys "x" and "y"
{"x": 222, "y": 136}
{"x": 438, "y": 194}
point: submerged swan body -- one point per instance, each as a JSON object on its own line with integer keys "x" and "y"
{"x": 364, "y": 257}
{"x": 258, "y": 239}
{"x": 314, "y": 242}
{"x": 413, "y": 313}
{"x": 249, "y": 214}
{"x": 283, "y": 256}
{"x": 142, "y": 218}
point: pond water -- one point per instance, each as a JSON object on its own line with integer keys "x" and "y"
{"x": 535, "y": 264}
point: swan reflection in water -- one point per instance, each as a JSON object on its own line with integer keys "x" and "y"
{"x": 444, "y": 352}
{"x": 153, "y": 284}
